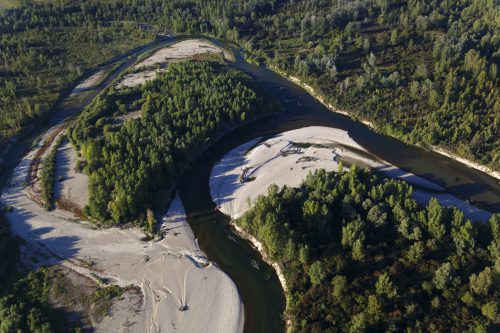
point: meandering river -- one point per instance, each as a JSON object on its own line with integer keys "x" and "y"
{"x": 261, "y": 292}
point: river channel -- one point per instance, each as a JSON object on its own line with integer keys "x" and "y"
{"x": 260, "y": 290}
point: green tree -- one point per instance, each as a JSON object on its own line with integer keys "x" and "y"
{"x": 415, "y": 252}
{"x": 489, "y": 310}
{"x": 442, "y": 276}
{"x": 435, "y": 217}
{"x": 339, "y": 284}
{"x": 317, "y": 272}
{"x": 481, "y": 283}
{"x": 150, "y": 221}
{"x": 384, "y": 286}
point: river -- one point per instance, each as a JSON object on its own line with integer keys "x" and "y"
{"x": 260, "y": 290}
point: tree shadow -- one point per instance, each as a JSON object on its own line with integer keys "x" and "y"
{"x": 44, "y": 239}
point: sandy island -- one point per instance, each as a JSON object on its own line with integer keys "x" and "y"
{"x": 185, "y": 49}
{"x": 181, "y": 289}
{"x": 247, "y": 171}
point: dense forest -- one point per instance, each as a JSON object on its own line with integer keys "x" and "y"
{"x": 134, "y": 165}
{"x": 424, "y": 71}
{"x": 359, "y": 255}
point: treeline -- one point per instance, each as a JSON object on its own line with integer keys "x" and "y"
{"x": 423, "y": 71}
{"x": 133, "y": 166}
{"x": 359, "y": 254}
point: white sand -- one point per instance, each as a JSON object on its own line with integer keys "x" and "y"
{"x": 181, "y": 50}
{"x": 124, "y": 314}
{"x": 178, "y": 51}
{"x": 442, "y": 151}
{"x": 469, "y": 163}
{"x": 172, "y": 272}
{"x": 136, "y": 79}
{"x": 74, "y": 186}
{"x": 267, "y": 164}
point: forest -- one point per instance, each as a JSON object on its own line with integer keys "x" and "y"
{"x": 134, "y": 165}
{"x": 359, "y": 254}
{"x": 423, "y": 71}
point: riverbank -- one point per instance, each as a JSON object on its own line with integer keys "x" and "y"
{"x": 279, "y": 272}
{"x": 320, "y": 98}
{"x": 286, "y": 159}
{"x": 469, "y": 163}
{"x": 246, "y": 171}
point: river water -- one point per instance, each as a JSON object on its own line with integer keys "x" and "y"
{"x": 260, "y": 290}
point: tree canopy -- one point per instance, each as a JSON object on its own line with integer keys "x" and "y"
{"x": 369, "y": 258}
{"x": 133, "y": 166}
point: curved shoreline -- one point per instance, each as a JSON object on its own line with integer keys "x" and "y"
{"x": 260, "y": 248}
{"x": 467, "y": 162}
{"x": 264, "y": 162}
{"x": 256, "y": 243}
{"x": 439, "y": 150}
{"x": 212, "y": 296}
